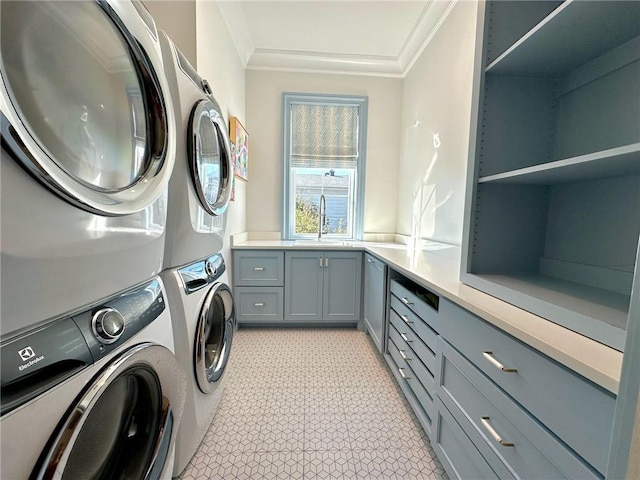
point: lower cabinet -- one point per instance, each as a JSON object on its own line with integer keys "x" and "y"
{"x": 259, "y": 304}
{"x": 375, "y": 273}
{"x": 322, "y": 286}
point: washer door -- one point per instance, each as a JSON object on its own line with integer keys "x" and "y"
{"x": 209, "y": 156}
{"x": 213, "y": 336}
{"x": 82, "y": 106}
{"x": 122, "y": 426}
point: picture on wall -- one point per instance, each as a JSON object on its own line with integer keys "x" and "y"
{"x": 240, "y": 138}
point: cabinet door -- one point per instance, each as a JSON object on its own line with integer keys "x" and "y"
{"x": 342, "y": 286}
{"x": 374, "y": 273}
{"x": 303, "y": 286}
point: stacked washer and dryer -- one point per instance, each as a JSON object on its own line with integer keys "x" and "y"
{"x": 95, "y": 342}
{"x": 201, "y": 302}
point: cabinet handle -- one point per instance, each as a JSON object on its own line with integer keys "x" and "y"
{"x": 258, "y": 304}
{"x": 369, "y": 260}
{"x": 401, "y": 370}
{"x": 406, "y": 301}
{"x": 326, "y": 262}
{"x": 405, "y": 338}
{"x": 320, "y": 262}
{"x": 490, "y": 358}
{"x": 405, "y": 319}
{"x": 404, "y": 356}
{"x": 258, "y": 269}
{"x": 494, "y": 434}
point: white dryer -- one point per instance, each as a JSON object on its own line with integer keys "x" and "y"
{"x": 202, "y": 311}
{"x": 97, "y": 394}
{"x": 200, "y": 186}
{"x": 88, "y": 146}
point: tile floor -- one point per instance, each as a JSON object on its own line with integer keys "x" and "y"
{"x": 312, "y": 404}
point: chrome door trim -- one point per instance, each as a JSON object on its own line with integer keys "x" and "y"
{"x": 173, "y": 386}
{"x": 152, "y": 182}
{"x": 206, "y": 376}
{"x": 209, "y": 108}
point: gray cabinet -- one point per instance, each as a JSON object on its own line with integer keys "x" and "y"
{"x": 258, "y": 280}
{"x": 375, "y": 273}
{"x": 552, "y": 217}
{"x": 322, "y": 286}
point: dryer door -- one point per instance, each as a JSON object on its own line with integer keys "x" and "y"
{"x": 82, "y": 106}
{"x": 214, "y": 334}
{"x": 209, "y": 156}
{"x": 124, "y": 424}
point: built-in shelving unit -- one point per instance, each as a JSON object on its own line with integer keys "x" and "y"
{"x": 553, "y": 220}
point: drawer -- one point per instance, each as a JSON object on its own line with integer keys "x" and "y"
{"x": 456, "y": 451}
{"x": 259, "y": 304}
{"x": 258, "y": 268}
{"x": 576, "y": 410}
{"x": 426, "y": 350}
{"x": 408, "y": 376}
{"x": 406, "y": 352}
{"x": 503, "y": 428}
{"x": 419, "y": 306}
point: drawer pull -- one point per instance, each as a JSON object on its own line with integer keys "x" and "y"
{"x": 258, "y": 304}
{"x": 490, "y": 358}
{"x": 405, "y": 319}
{"x": 404, "y": 356}
{"x": 369, "y": 260}
{"x": 258, "y": 269}
{"x": 406, "y": 301}
{"x": 405, "y": 338}
{"x": 402, "y": 374}
{"x": 494, "y": 434}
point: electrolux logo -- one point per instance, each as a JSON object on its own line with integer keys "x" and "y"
{"x": 29, "y": 354}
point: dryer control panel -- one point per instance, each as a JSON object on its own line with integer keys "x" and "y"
{"x": 36, "y": 361}
{"x": 202, "y": 273}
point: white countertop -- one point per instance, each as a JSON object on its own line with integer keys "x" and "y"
{"x": 437, "y": 268}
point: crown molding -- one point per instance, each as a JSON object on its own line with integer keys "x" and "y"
{"x": 431, "y": 19}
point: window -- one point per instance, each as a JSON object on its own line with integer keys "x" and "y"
{"x": 324, "y": 165}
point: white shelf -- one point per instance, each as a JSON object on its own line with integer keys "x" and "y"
{"x": 573, "y": 34}
{"x": 607, "y": 163}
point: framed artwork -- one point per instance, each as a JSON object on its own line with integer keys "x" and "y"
{"x": 240, "y": 139}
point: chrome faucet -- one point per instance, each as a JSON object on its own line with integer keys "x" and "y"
{"x": 322, "y": 216}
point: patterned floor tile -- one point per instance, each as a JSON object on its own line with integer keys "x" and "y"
{"x": 326, "y": 432}
{"x": 329, "y": 465}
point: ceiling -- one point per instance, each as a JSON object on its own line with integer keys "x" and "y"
{"x": 365, "y": 37}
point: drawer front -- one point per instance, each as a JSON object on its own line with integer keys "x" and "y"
{"x": 425, "y": 351}
{"x": 417, "y": 323}
{"x": 407, "y": 379}
{"x": 514, "y": 436}
{"x": 576, "y": 410}
{"x": 417, "y": 305}
{"x": 259, "y": 304}
{"x": 459, "y": 457}
{"x": 406, "y": 352}
{"x": 257, "y": 268}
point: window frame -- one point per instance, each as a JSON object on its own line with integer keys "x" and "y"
{"x": 288, "y": 199}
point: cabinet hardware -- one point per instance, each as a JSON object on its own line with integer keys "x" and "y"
{"x": 326, "y": 262}
{"x": 405, "y": 338}
{"x": 493, "y": 433}
{"x": 404, "y": 356}
{"x": 406, "y": 301}
{"x": 490, "y": 358}
{"x": 369, "y": 260}
{"x": 258, "y": 304}
{"x": 258, "y": 269}
{"x": 320, "y": 262}
{"x": 405, "y": 319}
{"x": 402, "y": 374}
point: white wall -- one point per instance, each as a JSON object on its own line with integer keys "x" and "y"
{"x": 178, "y": 19}
{"x": 264, "y": 124}
{"x": 436, "y": 101}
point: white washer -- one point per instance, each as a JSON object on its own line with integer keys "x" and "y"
{"x": 200, "y": 186}
{"x": 94, "y": 395}
{"x": 88, "y": 147}
{"x": 202, "y": 311}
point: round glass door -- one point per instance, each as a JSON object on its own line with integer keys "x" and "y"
{"x": 83, "y": 98}
{"x": 210, "y": 159}
{"x": 214, "y": 334}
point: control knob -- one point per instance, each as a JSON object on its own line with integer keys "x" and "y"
{"x": 108, "y": 325}
{"x": 210, "y": 268}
